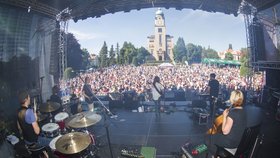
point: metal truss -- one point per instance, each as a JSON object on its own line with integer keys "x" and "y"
{"x": 267, "y": 64}
{"x": 63, "y": 17}
{"x": 249, "y": 12}
{"x": 31, "y": 5}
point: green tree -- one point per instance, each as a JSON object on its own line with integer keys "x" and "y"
{"x": 112, "y": 60}
{"x": 179, "y": 50}
{"x": 68, "y": 73}
{"x": 194, "y": 53}
{"x": 142, "y": 53}
{"x": 228, "y": 56}
{"x": 118, "y": 54}
{"x": 85, "y": 56}
{"x": 74, "y": 53}
{"x": 128, "y": 51}
{"x": 135, "y": 61}
{"x": 209, "y": 53}
{"x": 103, "y": 54}
{"x": 245, "y": 70}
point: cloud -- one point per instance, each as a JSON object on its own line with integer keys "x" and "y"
{"x": 84, "y": 36}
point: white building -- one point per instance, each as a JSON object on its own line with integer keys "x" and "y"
{"x": 160, "y": 45}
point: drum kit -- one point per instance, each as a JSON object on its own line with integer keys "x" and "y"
{"x": 71, "y": 142}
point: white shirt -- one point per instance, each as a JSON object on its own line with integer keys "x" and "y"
{"x": 155, "y": 93}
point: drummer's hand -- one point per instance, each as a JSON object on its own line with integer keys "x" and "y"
{"x": 225, "y": 113}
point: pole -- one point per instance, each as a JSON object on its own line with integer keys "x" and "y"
{"x": 215, "y": 99}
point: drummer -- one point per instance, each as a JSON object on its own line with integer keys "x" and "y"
{"x": 54, "y": 97}
{"x": 27, "y": 122}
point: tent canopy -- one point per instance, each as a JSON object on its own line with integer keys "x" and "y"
{"x": 166, "y": 65}
{"x": 220, "y": 61}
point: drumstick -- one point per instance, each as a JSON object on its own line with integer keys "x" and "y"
{"x": 35, "y": 105}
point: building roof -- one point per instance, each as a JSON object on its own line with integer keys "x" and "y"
{"x": 81, "y": 10}
{"x": 159, "y": 12}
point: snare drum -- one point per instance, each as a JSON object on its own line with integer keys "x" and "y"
{"x": 50, "y": 130}
{"x": 60, "y": 119}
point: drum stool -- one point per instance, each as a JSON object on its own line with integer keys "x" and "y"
{"x": 36, "y": 150}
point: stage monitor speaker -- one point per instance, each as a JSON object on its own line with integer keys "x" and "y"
{"x": 199, "y": 104}
{"x": 115, "y": 96}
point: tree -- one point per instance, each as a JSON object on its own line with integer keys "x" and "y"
{"x": 228, "y": 56}
{"x": 74, "y": 53}
{"x": 68, "y": 73}
{"x": 194, "y": 53}
{"x": 85, "y": 57}
{"x": 134, "y": 61}
{"x": 244, "y": 68}
{"x": 112, "y": 60}
{"x": 128, "y": 51}
{"x": 179, "y": 50}
{"x": 209, "y": 53}
{"x": 103, "y": 54}
{"x": 141, "y": 54}
{"x": 118, "y": 54}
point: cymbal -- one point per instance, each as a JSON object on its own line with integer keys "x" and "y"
{"x": 49, "y": 107}
{"x": 72, "y": 143}
{"x": 84, "y": 119}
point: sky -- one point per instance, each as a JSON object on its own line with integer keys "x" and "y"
{"x": 214, "y": 30}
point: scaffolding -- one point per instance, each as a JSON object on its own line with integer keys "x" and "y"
{"x": 63, "y": 18}
{"x": 249, "y": 13}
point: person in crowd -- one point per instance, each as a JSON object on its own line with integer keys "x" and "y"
{"x": 213, "y": 89}
{"x": 157, "y": 92}
{"x": 233, "y": 124}
{"x": 88, "y": 94}
{"x": 27, "y": 122}
{"x": 55, "y": 97}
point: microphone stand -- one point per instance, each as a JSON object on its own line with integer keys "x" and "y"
{"x": 109, "y": 113}
{"x": 215, "y": 100}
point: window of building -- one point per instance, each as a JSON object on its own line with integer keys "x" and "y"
{"x": 159, "y": 29}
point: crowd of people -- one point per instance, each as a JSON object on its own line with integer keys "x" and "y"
{"x": 140, "y": 78}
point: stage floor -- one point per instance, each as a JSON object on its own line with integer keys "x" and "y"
{"x": 168, "y": 132}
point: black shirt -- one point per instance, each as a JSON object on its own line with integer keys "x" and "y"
{"x": 239, "y": 124}
{"x": 88, "y": 92}
{"x": 214, "y": 87}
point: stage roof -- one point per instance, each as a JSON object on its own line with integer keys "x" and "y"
{"x": 83, "y": 9}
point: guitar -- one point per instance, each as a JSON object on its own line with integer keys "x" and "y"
{"x": 217, "y": 125}
{"x": 131, "y": 154}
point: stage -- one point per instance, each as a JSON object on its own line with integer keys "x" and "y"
{"x": 168, "y": 132}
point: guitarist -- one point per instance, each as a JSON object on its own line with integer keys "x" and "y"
{"x": 87, "y": 93}
{"x": 232, "y": 126}
{"x": 157, "y": 92}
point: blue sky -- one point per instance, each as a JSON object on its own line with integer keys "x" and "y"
{"x": 216, "y": 30}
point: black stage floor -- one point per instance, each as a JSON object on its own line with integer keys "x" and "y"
{"x": 168, "y": 132}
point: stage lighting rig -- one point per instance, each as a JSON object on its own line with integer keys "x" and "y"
{"x": 63, "y": 18}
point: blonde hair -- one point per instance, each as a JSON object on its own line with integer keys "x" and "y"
{"x": 236, "y": 98}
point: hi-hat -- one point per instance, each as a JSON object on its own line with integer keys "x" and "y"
{"x": 49, "y": 107}
{"x": 84, "y": 119}
{"x": 72, "y": 143}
